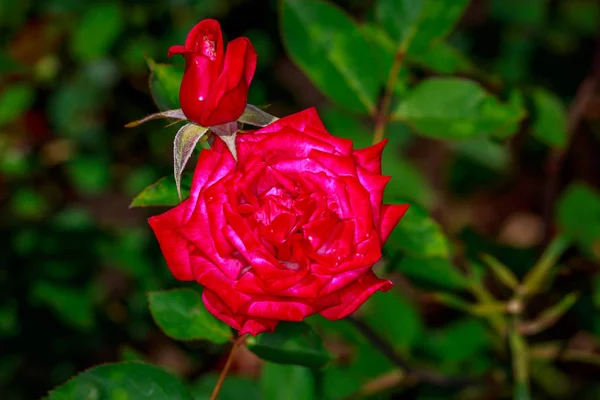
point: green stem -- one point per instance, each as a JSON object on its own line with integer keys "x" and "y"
{"x": 538, "y": 275}
{"x": 382, "y": 113}
{"x": 520, "y": 361}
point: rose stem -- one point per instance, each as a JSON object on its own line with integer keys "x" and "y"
{"x": 381, "y": 115}
{"x": 236, "y": 345}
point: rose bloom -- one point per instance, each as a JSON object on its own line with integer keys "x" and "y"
{"x": 214, "y": 89}
{"x": 291, "y": 230}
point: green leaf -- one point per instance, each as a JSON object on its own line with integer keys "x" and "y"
{"x": 394, "y": 317}
{"x": 14, "y": 101}
{"x": 128, "y": 353}
{"x": 516, "y": 106}
{"x": 90, "y": 174}
{"x": 234, "y": 388}
{"x": 531, "y": 13}
{"x": 419, "y": 235}
{"x": 581, "y": 15}
{"x": 28, "y": 203}
{"x": 458, "y": 341}
{"x": 485, "y": 152}
{"x": 280, "y": 382}
{"x": 227, "y": 133}
{"x": 550, "y": 315}
{"x": 9, "y": 320}
{"x": 71, "y": 305}
{"x": 163, "y": 192}
{"x": 8, "y": 65}
{"x": 172, "y": 114}
{"x": 124, "y": 381}
{"x": 438, "y": 272}
{"x": 415, "y": 24}
{"x": 329, "y": 47}
{"x": 181, "y": 315}
{"x": 550, "y": 122}
{"x": 407, "y": 182}
{"x": 347, "y": 126}
{"x": 164, "y": 84}
{"x": 291, "y": 343}
{"x": 384, "y": 49}
{"x": 255, "y": 116}
{"x": 183, "y": 146}
{"x": 501, "y": 271}
{"x": 454, "y": 108}
{"x": 442, "y": 58}
{"x": 97, "y": 31}
{"x": 551, "y": 379}
{"x": 492, "y": 309}
{"x": 578, "y": 215}
{"x": 544, "y": 270}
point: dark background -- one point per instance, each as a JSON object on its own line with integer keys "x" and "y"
{"x": 75, "y": 261}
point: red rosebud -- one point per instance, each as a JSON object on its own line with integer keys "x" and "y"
{"x": 292, "y": 229}
{"x": 214, "y": 89}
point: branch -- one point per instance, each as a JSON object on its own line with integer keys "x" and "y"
{"x": 556, "y": 158}
{"x": 382, "y": 113}
{"x": 236, "y": 345}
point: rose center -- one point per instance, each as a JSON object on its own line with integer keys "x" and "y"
{"x": 279, "y": 219}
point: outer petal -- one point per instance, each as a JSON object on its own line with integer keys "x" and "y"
{"x": 212, "y": 165}
{"x": 308, "y": 118}
{"x": 375, "y": 185}
{"x": 282, "y": 309}
{"x": 355, "y": 294}
{"x": 390, "y": 216}
{"x": 206, "y": 38}
{"x": 254, "y": 326}
{"x": 176, "y": 49}
{"x": 244, "y": 324}
{"x": 370, "y": 157}
{"x": 198, "y": 80}
{"x": 308, "y": 124}
{"x": 228, "y": 96}
{"x": 175, "y": 247}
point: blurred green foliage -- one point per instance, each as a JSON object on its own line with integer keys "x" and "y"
{"x": 493, "y": 135}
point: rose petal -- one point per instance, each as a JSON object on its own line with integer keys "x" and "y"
{"x": 174, "y": 246}
{"x": 244, "y": 324}
{"x": 212, "y": 165}
{"x": 299, "y": 121}
{"x": 284, "y": 309}
{"x": 308, "y": 288}
{"x": 254, "y": 326}
{"x": 390, "y": 216}
{"x": 206, "y": 38}
{"x": 340, "y": 280}
{"x": 212, "y": 277}
{"x": 309, "y": 123}
{"x": 288, "y": 144}
{"x": 370, "y": 157}
{"x": 317, "y": 231}
{"x": 229, "y": 93}
{"x": 176, "y": 49}
{"x": 355, "y": 294}
{"x": 375, "y": 185}
{"x": 360, "y": 204}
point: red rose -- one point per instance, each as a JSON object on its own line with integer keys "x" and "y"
{"x": 291, "y": 230}
{"x": 214, "y": 89}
